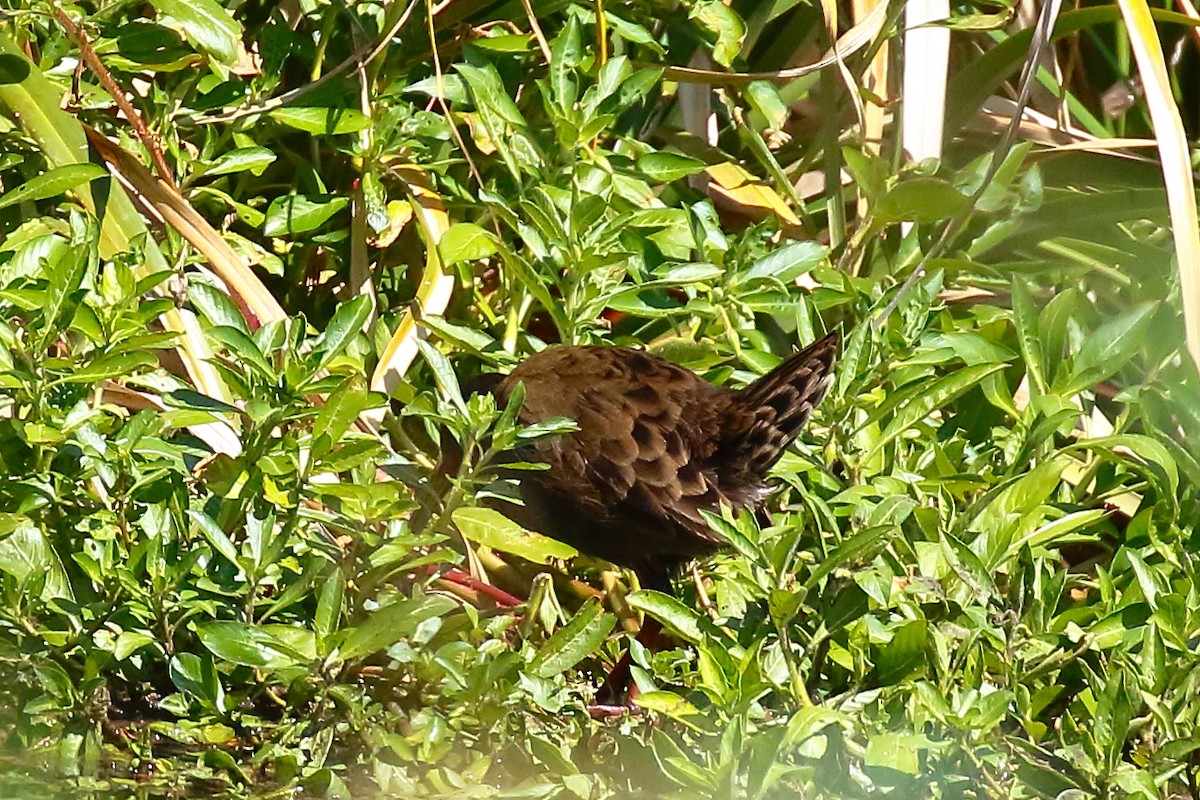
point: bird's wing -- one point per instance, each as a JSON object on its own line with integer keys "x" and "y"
{"x": 640, "y": 449}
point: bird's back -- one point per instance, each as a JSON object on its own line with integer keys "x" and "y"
{"x": 656, "y": 444}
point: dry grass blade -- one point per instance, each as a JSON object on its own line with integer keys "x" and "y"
{"x": 926, "y": 68}
{"x": 1034, "y": 126}
{"x": 433, "y": 293}
{"x": 1175, "y": 156}
{"x": 173, "y": 209}
{"x": 219, "y": 437}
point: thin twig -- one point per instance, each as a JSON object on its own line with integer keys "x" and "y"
{"x": 441, "y": 101}
{"x": 148, "y": 139}
{"x": 537, "y": 30}
{"x": 356, "y": 60}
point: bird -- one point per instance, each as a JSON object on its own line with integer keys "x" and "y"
{"x": 655, "y": 446}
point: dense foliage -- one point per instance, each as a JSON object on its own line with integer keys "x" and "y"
{"x": 230, "y": 562}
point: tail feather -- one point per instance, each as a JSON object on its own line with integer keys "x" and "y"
{"x": 769, "y": 413}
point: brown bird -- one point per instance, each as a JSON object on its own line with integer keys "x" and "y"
{"x": 656, "y": 445}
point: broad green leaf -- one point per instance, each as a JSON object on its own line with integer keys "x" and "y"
{"x": 197, "y": 677}
{"x": 186, "y": 398}
{"x": 129, "y": 642}
{"x": 764, "y": 98}
{"x": 243, "y": 349}
{"x": 565, "y": 55}
{"x": 1050, "y": 533}
{"x": 571, "y": 643}
{"x": 242, "y": 159}
{"x": 668, "y": 703}
{"x": 1140, "y": 448}
{"x": 64, "y": 281}
{"x": 857, "y": 548}
{"x": 340, "y": 409}
{"x": 347, "y": 322}
{"x": 216, "y": 306}
{"x": 789, "y": 262}
{"x": 296, "y": 214}
{"x": 329, "y": 608}
{"x": 667, "y": 167}
{"x": 1109, "y": 348}
{"x": 112, "y": 365}
{"x": 487, "y": 90}
{"x": 492, "y": 529}
{"x": 466, "y": 241}
{"x": 904, "y": 655}
{"x": 727, "y": 27}
{"x": 920, "y": 200}
{"x": 969, "y": 567}
{"x": 323, "y": 121}
{"x": 898, "y": 751}
{"x": 215, "y": 536}
{"x": 26, "y": 554}
{"x": 443, "y": 373}
{"x": 934, "y": 396}
{"x": 393, "y": 622}
{"x": 676, "y": 617}
{"x": 247, "y": 645}
{"x": 205, "y": 24}
{"x": 52, "y": 183}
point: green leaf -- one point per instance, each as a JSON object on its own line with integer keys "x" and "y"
{"x": 487, "y": 90}
{"x": 1052, "y": 532}
{"x": 1142, "y": 449}
{"x": 215, "y": 536}
{"x": 52, "y": 183}
{"x": 393, "y": 622}
{"x": 443, "y": 373}
{"x": 329, "y": 608}
{"x": 295, "y": 214}
{"x": 242, "y": 159}
{"x": 492, "y": 529}
{"x": 243, "y": 349}
{"x": 565, "y": 55}
{"x": 129, "y": 642}
{"x": 340, "y": 410}
{"x": 668, "y": 703}
{"x": 857, "y": 548}
{"x": 789, "y": 262}
{"x": 323, "y": 121}
{"x": 898, "y": 751}
{"x": 667, "y": 167}
{"x": 347, "y": 322}
{"x": 27, "y": 555}
{"x": 205, "y": 24}
{"x": 62, "y": 293}
{"x": 186, "y": 398}
{"x": 111, "y": 365}
{"x": 920, "y": 200}
{"x": 216, "y": 306}
{"x": 724, "y": 22}
{"x": 1109, "y": 348}
{"x": 247, "y": 645}
{"x": 466, "y": 241}
{"x": 197, "y": 677}
{"x": 571, "y": 643}
{"x": 936, "y": 395}
{"x": 676, "y": 617}
{"x": 904, "y": 654}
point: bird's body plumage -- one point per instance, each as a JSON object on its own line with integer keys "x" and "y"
{"x": 656, "y": 445}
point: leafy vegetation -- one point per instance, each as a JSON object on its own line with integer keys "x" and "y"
{"x": 235, "y": 558}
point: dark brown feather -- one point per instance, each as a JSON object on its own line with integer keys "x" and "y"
{"x": 656, "y": 445}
